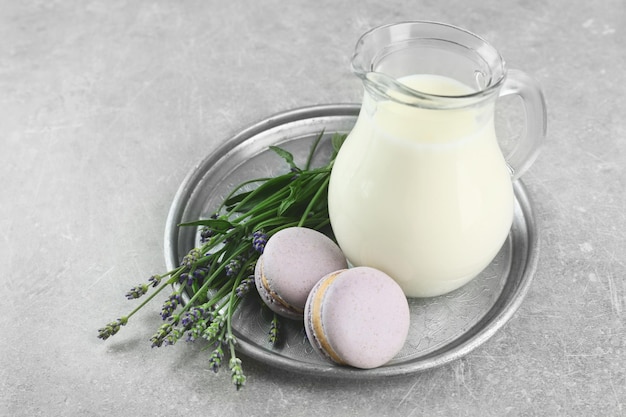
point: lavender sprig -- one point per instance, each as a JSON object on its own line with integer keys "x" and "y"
{"x": 215, "y": 361}
{"x": 159, "y": 337}
{"x": 274, "y": 330}
{"x": 259, "y": 239}
{"x": 213, "y": 278}
{"x": 112, "y": 328}
{"x": 170, "y": 305}
{"x": 236, "y": 372}
{"x": 245, "y": 286}
{"x": 137, "y": 291}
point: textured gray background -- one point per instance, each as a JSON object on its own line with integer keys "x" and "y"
{"x": 106, "y": 105}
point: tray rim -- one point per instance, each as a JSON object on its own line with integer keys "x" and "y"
{"x": 431, "y": 360}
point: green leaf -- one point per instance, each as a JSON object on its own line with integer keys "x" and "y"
{"x": 247, "y": 200}
{"x": 287, "y": 156}
{"x": 291, "y": 199}
{"x": 337, "y": 141}
{"x": 218, "y": 225}
{"x": 237, "y": 194}
{"x": 231, "y": 201}
{"x": 316, "y": 142}
{"x": 295, "y": 198}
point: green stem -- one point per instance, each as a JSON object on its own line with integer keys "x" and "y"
{"x": 216, "y": 273}
{"x": 254, "y": 193}
{"x": 314, "y": 200}
{"x": 175, "y": 275}
{"x": 233, "y": 301}
{"x": 313, "y": 149}
{"x": 239, "y": 187}
{"x": 259, "y": 218}
{"x": 223, "y": 291}
{"x": 266, "y": 206}
{"x": 281, "y": 227}
{"x": 322, "y": 224}
{"x": 276, "y": 221}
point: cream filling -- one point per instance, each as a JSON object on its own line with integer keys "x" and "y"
{"x": 274, "y": 296}
{"x": 316, "y": 319}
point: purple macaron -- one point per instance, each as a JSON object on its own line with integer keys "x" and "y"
{"x": 293, "y": 261}
{"x": 357, "y": 317}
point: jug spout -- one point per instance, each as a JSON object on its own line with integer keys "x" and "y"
{"x": 385, "y": 56}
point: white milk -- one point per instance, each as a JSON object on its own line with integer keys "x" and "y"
{"x": 423, "y": 195}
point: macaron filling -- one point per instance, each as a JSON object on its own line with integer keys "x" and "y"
{"x": 273, "y": 294}
{"x": 316, "y": 319}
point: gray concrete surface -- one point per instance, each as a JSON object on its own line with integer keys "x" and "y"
{"x": 106, "y": 105}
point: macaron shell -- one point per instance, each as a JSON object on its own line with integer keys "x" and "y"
{"x": 267, "y": 298}
{"x": 295, "y": 259}
{"x": 365, "y": 317}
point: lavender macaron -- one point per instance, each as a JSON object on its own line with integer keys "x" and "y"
{"x": 293, "y": 261}
{"x": 357, "y": 317}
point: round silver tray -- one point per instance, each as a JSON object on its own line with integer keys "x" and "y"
{"x": 442, "y": 329}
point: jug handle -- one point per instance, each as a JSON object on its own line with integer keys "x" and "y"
{"x": 527, "y": 147}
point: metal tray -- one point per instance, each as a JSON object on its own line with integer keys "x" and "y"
{"x": 442, "y": 329}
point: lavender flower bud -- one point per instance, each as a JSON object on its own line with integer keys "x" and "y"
{"x": 137, "y": 291}
{"x": 212, "y": 331}
{"x": 244, "y": 287}
{"x": 112, "y": 328}
{"x": 191, "y": 258}
{"x": 200, "y": 273}
{"x": 274, "y": 330}
{"x": 170, "y": 305}
{"x": 158, "y": 338}
{"x": 155, "y": 280}
{"x": 206, "y": 234}
{"x": 182, "y": 278}
{"x": 192, "y": 316}
{"x": 173, "y": 336}
{"x": 215, "y": 361}
{"x": 236, "y": 373}
{"x": 233, "y": 267}
{"x": 259, "y": 239}
{"x": 196, "y": 331}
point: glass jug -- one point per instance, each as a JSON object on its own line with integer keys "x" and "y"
{"x": 420, "y": 188}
